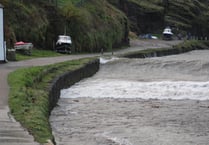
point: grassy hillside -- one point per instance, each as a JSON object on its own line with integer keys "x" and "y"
{"x": 145, "y": 16}
{"x": 31, "y": 21}
{"x": 93, "y": 24}
{"x": 148, "y": 16}
{"x": 188, "y": 15}
{"x": 97, "y": 24}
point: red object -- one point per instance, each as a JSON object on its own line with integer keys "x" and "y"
{"x": 20, "y": 43}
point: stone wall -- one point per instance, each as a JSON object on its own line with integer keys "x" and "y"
{"x": 69, "y": 78}
{"x": 154, "y": 53}
{"x": 167, "y": 51}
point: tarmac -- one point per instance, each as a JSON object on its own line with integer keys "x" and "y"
{"x": 11, "y": 132}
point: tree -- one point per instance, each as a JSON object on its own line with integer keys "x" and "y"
{"x": 166, "y": 5}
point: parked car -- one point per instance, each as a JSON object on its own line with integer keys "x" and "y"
{"x": 147, "y": 36}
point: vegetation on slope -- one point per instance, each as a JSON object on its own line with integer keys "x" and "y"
{"x": 151, "y": 16}
{"x": 92, "y": 24}
{"x": 188, "y": 15}
{"x": 31, "y": 21}
{"x": 95, "y": 24}
{"x": 186, "y": 46}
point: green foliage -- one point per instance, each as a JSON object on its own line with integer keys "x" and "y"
{"x": 183, "y": 14}
{"x": 92, "y": 24}
{"x": 145, "y": 16}
{"x": 148, "y": 5}
{"x": 28, "y": 22}
{"x": 36, "y": 53}
{"x": 97, "y": 25}
{"x": 151, "y": 16}
{"x": 192, "y": 45}
{"x": 62, "y": 3}
{"x": 186, "y": 46}
{"x": 28, "y": 98}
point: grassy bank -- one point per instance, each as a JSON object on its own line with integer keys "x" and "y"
{"x": 37, "y": 54}
{"x": 180, "y": 48}
{"x": 29, "y": 96}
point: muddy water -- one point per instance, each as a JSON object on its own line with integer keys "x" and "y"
{"x": 152, "y": 101}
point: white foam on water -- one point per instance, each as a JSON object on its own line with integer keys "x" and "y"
{"x": 104, "y": 60}
{"x": 110, "y": 88}
{"x": 116, "y": 140}
{"x": 183, "y": 76}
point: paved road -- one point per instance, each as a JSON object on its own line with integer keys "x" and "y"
{"x": 11, "y": 132}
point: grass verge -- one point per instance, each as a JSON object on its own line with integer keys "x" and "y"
{"x": 28, "y": 98}
{"x": 36, "y": 54}
{"x": 177, "y": 49}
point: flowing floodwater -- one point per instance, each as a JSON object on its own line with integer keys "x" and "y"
{"x": 152, "y": 101}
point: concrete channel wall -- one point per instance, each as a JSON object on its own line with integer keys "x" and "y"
{"x": 165, "y": 51}
{"x": 69, "y": 78}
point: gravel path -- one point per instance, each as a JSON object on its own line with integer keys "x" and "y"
{"x": 11, "y": 136}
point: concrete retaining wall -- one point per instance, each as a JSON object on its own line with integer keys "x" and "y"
{"x": 69, "y": 78}
{"x": 165, "y": 51}
{"x": 156, "y": 53}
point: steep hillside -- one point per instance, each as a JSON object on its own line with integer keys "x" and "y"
{"x": 148, "y": 16}
{"x": 93, "y": 24}
{"x": 145, "y": 15}
{"x": 188, "y": 15}
{"x": 30, "y": 21}
{"x": 97, "y": 24}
